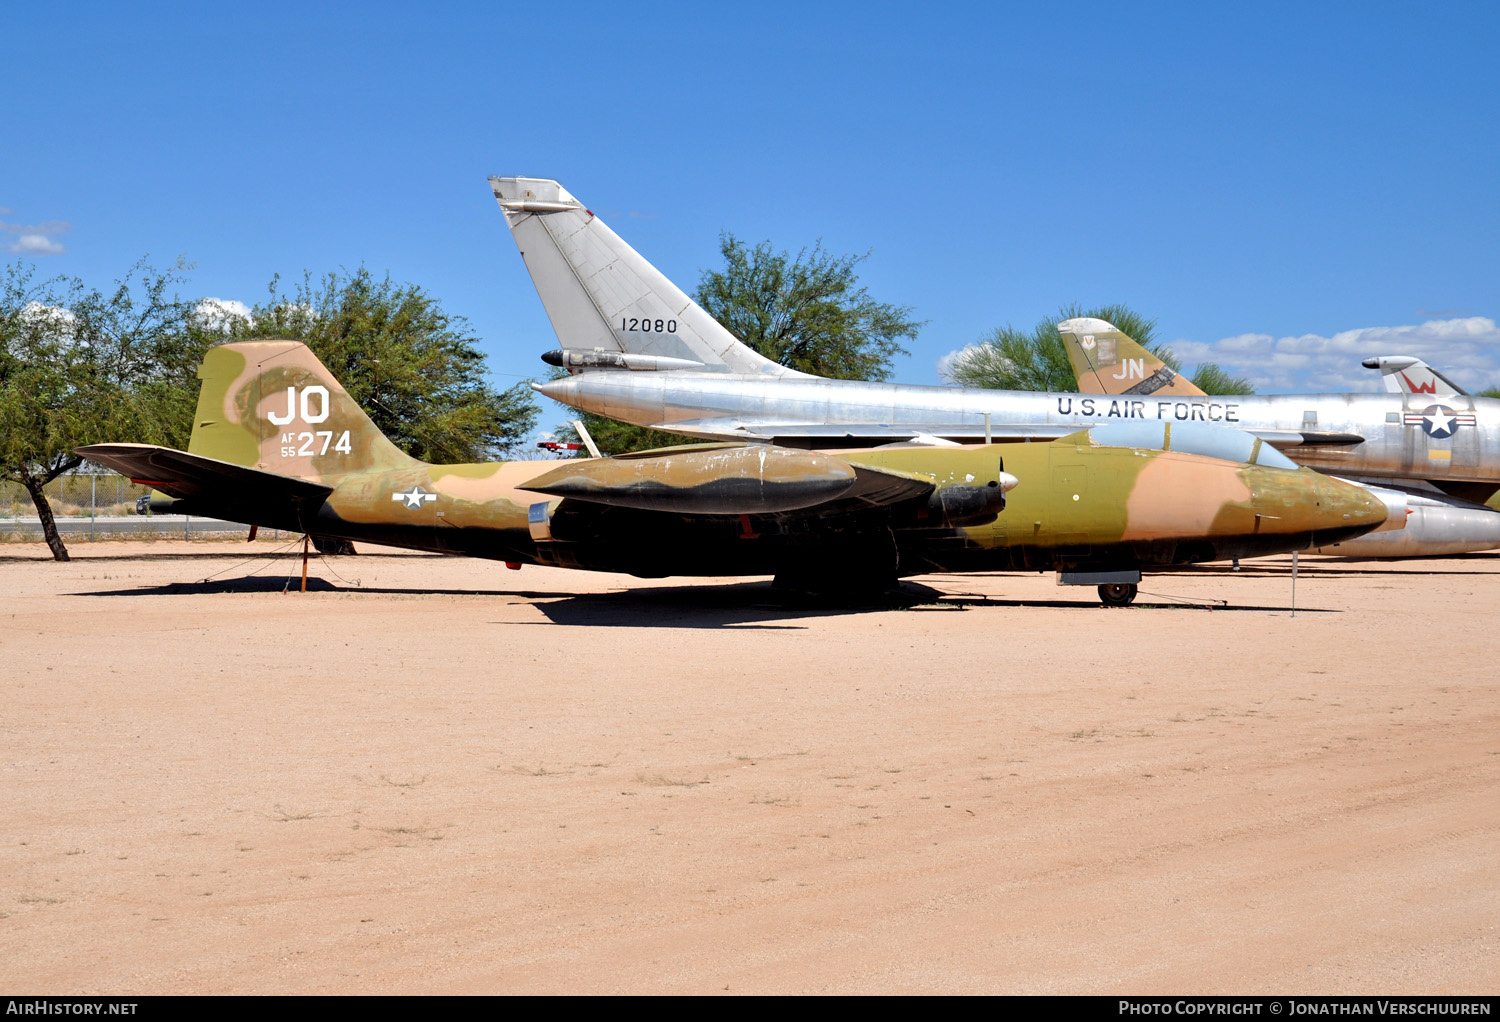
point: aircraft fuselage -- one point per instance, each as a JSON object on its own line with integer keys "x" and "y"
{"x": 1403, "y": 436}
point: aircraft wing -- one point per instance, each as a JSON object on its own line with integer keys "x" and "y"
{"x": 864, "y": 434}
{"x": 722, "y": 479}
{"x": 215, "y": 486}
{"x": 860, "y": 433}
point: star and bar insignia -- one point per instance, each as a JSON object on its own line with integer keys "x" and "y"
{"x": 1439, "y": 421}
{"x": 415, "y": 497}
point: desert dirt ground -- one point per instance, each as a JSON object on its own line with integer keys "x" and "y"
{"x": 437, "y": 775}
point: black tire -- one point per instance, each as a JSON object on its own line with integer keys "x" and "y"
{"x": 1121, "y": 594}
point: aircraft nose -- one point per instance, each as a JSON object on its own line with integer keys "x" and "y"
{"x": 1347, "y": 511}
{"x": 1323, "y": 506}
{"x": 1353, "y": 505}
{"x": 1305, "y": 501}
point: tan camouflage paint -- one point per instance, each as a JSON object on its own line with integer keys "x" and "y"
{"x": 1106, "y": 361}
{"x": 272, "y": 405}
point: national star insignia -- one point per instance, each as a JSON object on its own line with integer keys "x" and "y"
{"x": 415, "y": 497}
{"x": 1439, "y": 421}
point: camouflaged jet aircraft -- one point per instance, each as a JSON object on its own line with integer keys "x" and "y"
{"x": 1109, "y": 362}
{"x": 639, "y": 350}
{"x": 278, "y": 443}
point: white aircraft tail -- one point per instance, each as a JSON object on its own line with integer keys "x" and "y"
{"x": 1405, "y": 374}
{"x": 609, "y": 306}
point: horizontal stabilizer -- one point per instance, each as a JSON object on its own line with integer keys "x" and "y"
{"x": 207, "y": 482}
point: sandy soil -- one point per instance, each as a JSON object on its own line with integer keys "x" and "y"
{"x": 437, "y": 775}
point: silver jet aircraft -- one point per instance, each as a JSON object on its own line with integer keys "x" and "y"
{"x": 638, "y": 349}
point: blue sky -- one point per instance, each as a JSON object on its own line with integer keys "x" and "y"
{"x": 1286, "y": 188}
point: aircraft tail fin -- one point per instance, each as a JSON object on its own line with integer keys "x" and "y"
{"x": 272, "y": 406}
{"x": 1108, "y": 362}
{"x": 604, "y": 299}
{"x": 1406, "y": 374}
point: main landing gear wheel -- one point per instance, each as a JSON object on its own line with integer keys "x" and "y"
{"x": 1119, "y": 594}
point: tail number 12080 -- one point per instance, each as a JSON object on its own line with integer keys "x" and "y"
{"x": 648, "y": 326}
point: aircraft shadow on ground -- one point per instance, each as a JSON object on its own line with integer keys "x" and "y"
{"x": 743, "y": 604}
{"x": 206, "y": 555}
{"x": 759, "y": 605}
{"x": 737, "y": 605}
{"x": 293, "y": 584}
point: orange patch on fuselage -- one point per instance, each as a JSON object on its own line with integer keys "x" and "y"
{"x": 1179, "y": 495}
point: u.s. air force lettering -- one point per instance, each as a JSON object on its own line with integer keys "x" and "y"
{"x": 1136, "y": 408}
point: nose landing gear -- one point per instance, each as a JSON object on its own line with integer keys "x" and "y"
{"x": 1117, "y": 594}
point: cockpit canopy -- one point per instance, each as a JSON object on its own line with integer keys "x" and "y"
{"x": 1191, "y": 438}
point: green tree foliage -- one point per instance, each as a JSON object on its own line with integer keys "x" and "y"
{"x": 1011, "y": 359}
{"x": 416, "y": 369}
{"x": 80, "y": 366}
{"x": 807, "y": 312}
{"x": 1211, "y": 378}
{"x": 1488, "y": 392}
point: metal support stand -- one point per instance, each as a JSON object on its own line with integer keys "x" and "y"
{"x": 306, "y": 539}
{"x": 1294, "y": 583}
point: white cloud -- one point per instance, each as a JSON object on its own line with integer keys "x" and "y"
{"x": 216, "y": 313}
{"x": 53, "y": 319}
{"x": 36, "y": 312}
{"x": 5, "y": 211}
{"x": 35, "y": 239}
{"x": 947, "y": 362}
{"x": 35, "y": 244}
{"x": 1465, "y": 349}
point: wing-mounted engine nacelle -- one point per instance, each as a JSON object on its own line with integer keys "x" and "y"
{"x": 575, "y": 359}
{"x": 971, "y": 504}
